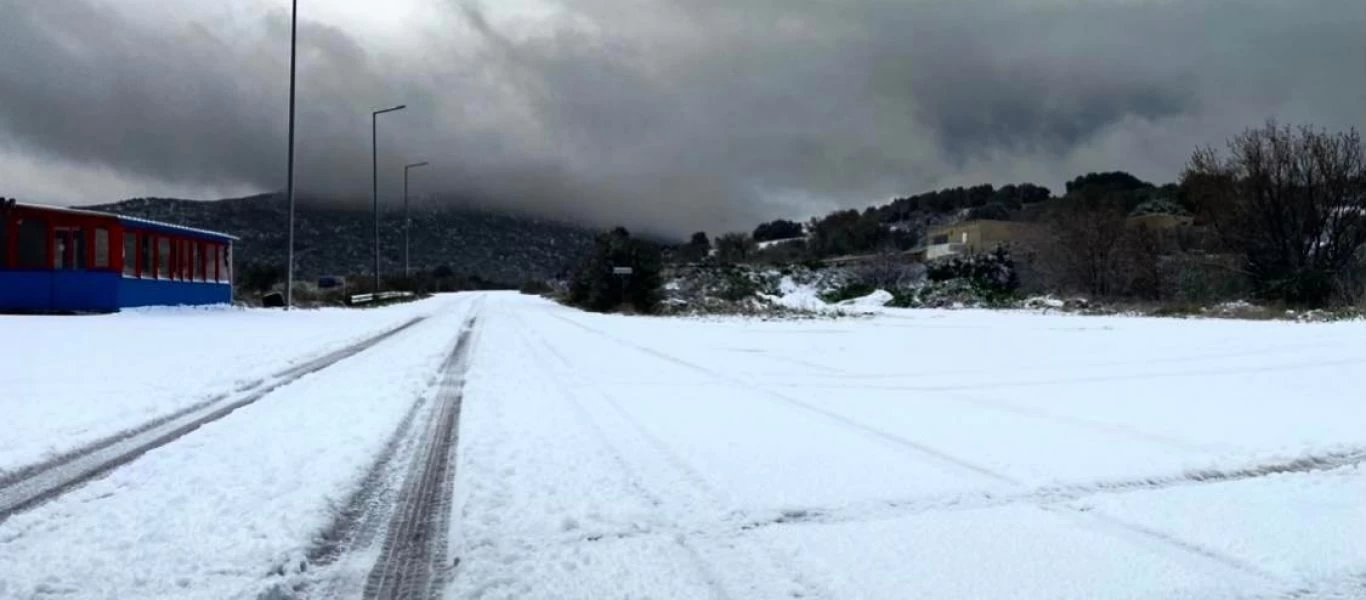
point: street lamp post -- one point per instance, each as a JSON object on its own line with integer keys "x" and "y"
{"x": 374, "y": 178}
{"x": 407, "y": 221}
{"x": 289, "y": 186}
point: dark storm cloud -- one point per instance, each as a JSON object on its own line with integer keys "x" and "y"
{"x": 682, "y": 114}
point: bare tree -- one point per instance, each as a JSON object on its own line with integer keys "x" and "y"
{"x": 1291, "y": 203}
{"x": 733, "y": 248}
{"x": 1087, "y": 239}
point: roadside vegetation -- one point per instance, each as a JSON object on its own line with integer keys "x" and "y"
{"x": 1272, "y": 226}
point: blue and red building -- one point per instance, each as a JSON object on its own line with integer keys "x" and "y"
{"x": 57, "y": 259}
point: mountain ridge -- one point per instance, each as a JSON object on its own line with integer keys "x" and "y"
{"x": 340, "y": 241}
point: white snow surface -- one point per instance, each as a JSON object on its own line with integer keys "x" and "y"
{"x": 877, "y": 299}
{"x": 213, "y": 514}
{"x": 800, "y": 296}
{"x": 68, "y": 381}
{"x": 906, "y": 454}
{"x": 914, "y": 454}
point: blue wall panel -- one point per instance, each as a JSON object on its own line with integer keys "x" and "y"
{"x": 85, "y": 291}
{"x": 26, "y": 290}
{"x": 156, "y": 292}
{"x": 100, "y": 291}
{"x": 59, "y": 291}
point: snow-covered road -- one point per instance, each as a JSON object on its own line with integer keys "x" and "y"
{"x": 912, "y": 454}
{"x": 916, "y": 454}
{"x": 216, "y": 513}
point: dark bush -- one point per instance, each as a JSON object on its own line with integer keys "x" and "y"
{"x": 259, "y": 277}
{"x": 737, "y": 285}
{"x": 992, "y": 275}
{"x": 594, "y": 286}
{"x": 535, "y": 287}
{"x": 848, "y": 292}
{"x": 993, "y": 212}
{"x": 777, "y": 230}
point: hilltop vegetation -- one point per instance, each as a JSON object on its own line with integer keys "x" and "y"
{"x": 339, "y": 241}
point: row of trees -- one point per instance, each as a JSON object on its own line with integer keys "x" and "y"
{"x": 1280, "y": 215}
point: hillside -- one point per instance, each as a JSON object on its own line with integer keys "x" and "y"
{"x": 338, "y": 241}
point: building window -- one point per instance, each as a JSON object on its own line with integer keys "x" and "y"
{"x": 130, "y": 254}
{"x": 186, "y": 269}
{"x": 148, "y": 256}
{"x": 225, "y": 264}
{"x": 69, "y": 248}
{"x": 164, "y": 258}
{"x": 101, "y": 248}
{"x": 33, "y": 246}
{"x": 942, "y": 238}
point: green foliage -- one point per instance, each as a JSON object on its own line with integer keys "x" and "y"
{"x": 847, "y": 232}
{"x": 1112, "y": 181}
{"x": 994, "y": 212}
{"x": 595, "y": 287}
{"x": 259, "y": 277}
{"x": 535, "y": 287}
{"x": 950, "y": 200}
{"x": 737, "y": 284}
{"x": 777, "y": 230}
{"x": 735, "y": 248}
{"x": 848, "y": 291}
{"x": 992, "y": 275}
{"x": 695, "y": 250}
{"x": 783, "y": 253}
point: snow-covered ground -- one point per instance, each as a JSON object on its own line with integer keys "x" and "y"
{"x": 213, "y": 514}
{"x": 68, "y": 381}
{"x": 914, "y": 454}
{"x": 907, "y": 454}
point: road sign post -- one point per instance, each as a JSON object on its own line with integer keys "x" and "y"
{"x": 623, "y": 273}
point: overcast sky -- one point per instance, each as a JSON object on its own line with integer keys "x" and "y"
{"x": 668, "y": 115}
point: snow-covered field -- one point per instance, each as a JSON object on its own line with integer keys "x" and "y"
{"x": 915, "y": 454}
{"x": 909, "y": 454}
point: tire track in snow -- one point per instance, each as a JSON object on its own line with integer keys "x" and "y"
{"x": 851, "y": 424}
{"x": 707, "y": 491}
{"x": 38, "y": 484}
{"x": 880, "y": 510}
{"x": 704, "y": 569}
{"x": 412, "y": 562}
{"x": 1102, "y": 521}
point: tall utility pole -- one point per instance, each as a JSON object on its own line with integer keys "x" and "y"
{"x": 407, "y": 221}
{"x": 289, "y": 186}
{"x": 374, "y": 177}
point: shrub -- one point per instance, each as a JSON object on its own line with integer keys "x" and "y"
{"x": 594, "y": 286}
{"x": 848, "y": 291}
{"x": 535, "y": 287}
{"x": 991, "y": 275}
{"x": 737, "y": 285}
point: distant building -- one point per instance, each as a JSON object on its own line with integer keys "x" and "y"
{"x": 56, "y": 259}
{"x": 969, "y": 237}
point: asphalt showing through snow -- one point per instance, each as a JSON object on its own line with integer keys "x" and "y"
{"x": 412, "y": 562}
